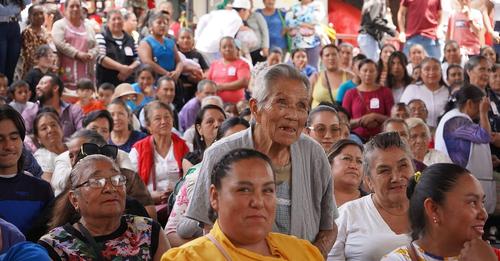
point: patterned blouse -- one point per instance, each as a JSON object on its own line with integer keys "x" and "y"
{"x": 403, "y": 254}
{"x": 136, "y": 239}
{"x": 30, "y": 42}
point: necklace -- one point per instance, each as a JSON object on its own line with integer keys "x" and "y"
{"x": 378, "y": 205}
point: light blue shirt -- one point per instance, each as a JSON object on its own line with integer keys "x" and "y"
{"x": 11, "y": 9}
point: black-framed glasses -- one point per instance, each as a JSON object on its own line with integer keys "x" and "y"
{"x": 91, "y": 149}
{"x": 116, "y": 180}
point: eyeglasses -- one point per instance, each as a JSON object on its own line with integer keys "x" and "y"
{"x": 321, "y": 129}
{"x": 116, "y": 180}
{"x": 92, "y": 149}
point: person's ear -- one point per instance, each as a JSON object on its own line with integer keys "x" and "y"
{"x": 254, "y": 109}
{"x": 368, "y": 181}
{"x": 433, "y": 211}
{"x": 73, "y": 200}
{"x": 214, "y": 198}
{"x": 198, "y": 129}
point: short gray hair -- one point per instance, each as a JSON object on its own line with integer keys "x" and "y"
{"x": 270, "y": 76}
{"x": 201, "y": 85}
{"x": 415, "y": 122}
{"x": 90, "y": 136}
{"x": 218, "y": 100}
{"x": 86, "y": 167}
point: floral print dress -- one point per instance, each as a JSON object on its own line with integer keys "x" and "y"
{"x": 303, "y": 36}
{"x": 136, "y": 239}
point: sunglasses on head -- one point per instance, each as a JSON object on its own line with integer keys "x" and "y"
{"x": 92, "y": 149}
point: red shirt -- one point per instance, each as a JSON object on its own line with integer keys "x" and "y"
{"x": 221, "y": 72}
{"x": 93, "y": 105}
{"x": 422, "y": 17}
{"x": 459, "y": 28}
{"x": 359, "y": 103}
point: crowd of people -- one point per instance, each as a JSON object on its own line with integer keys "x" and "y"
{"x": 126, "y": 133}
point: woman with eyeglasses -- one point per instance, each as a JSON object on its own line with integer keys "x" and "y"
{"x": 49, "y": 134}
{"x": 346, "y": 159}
{"x": 323, "y": 125}
{"x": 103, "y": 232}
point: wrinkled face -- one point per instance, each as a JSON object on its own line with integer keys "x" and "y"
{"x": 185, "y": 41}
{"x": 419, "y": 140}
{"x": 400, "y": 112}
{"x": 74, "y": 9}
{"x": 274, "y": 58}
{"x": 11, "y": 147}
{"x": 345, "y": 55}
{"x": 455, "y": 76}
{"x": 397, "y": 68}
{"x": 330, "y": 58}
{"x": 212, "y": 119}
{"x": 431, "y": 72}
{"x": 398, "y": 127}
{"x": 37, "y": 16}
{"x": 105, "y": 202}
{"x": 480, "y": 74}
{"x": 390, "y": 170}
{"x": 228, "y": 49}
{"x": 462, "y": 215}
{"x": 166, "y": 92}
{"x": 159, "y": 27}
{"x": 246, "y": 202}
{"x": 115, "y": 23}
{"x": 284, "y": 113}
{"x": 120, "y": 116}
{"x": 325, "y": 129}
{"x": 368, "y": 73}
{"x": 49, "y": 131}
{"x": 346, "y": 167}
{"x": 418, "y": 110}
{"x": 417, "y": 54}
{"x": 385, "y": 53}
{"x": 208, "y": 90}
{"x": 101, "y": 126}
{"x": 300, "y": 60}
{"x": 490, "y": 54}
{"x": 105, "y": 96}
{"x": 145, "y": 79}
{"x": 452, "y": 54}
{"x": 160, "y": 122}
{"x": 495, "y": 80}
{"x": 22, "y": 94}
{"x": 44, "y": 89}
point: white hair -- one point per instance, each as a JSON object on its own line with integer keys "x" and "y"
{"x": 215, "y": 100}
{"x": 415, "y": 122}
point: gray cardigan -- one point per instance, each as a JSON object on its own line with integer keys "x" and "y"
{"x": 313, "y": 206}
{"x": 258, "y": 24}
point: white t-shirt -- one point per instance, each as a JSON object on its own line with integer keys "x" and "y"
{"x": 435, "y": 101}
{"x": 215, "y": 25}
{"x": 436, "y": 156}
{"x": 363, "y": 234}
{"x": 46, "y": 159}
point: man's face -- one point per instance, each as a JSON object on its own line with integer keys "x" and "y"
{"x": 11, "y": 147}
{"x": 44, "y": 89}
{"x": 208, "y": 90}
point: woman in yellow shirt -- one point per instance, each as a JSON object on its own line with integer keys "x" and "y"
{"x": 243, "y": 196}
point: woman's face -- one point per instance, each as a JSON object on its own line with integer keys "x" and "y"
{"x": 115, "y": 23}
{"x": 185, "y": 41}
{"x": 131, "y": 23}
{"x": 274, "y": 58}
{"x": 284, "y": 114}
{"x": 397, "y": 68}
{"x": 390, "y": 170}
{"x": 490, "y": 54}
{"x": 346, "y": 167}
{"x": 159, "y": 27}
{"x": 101, "y": 126}
{"x": 368, "y": 73}
{"x": 234, "y": 129}
{"x": 49, "y": 132}
{"x": 246, "y": 201}
{"x": 325, "y": 129}
{"x": 145, "y": 79}
{"x": 462, "y": 215}
{"x": 455, "y": 76}
{"x": 431, "y": 72}
{"x": 108, "y": 201}
{"x": 74, "y": 9}
{"x": 330, "y": 58}
{"x": 269, "y": 3}
{"x": 385, "y": 53}
{"x": 417, "y": 54}
{"x": 160, "y": 122}
{"x": 300, "y": 60}
{"x": 166, "y": 92}
{"x": 479, "y": 75}
{"x": 419, "y": 140}
{"x": 120, "y": 116}
{"x": 228, "y": 49}
{"x": 212, "y": 119}
{"x": 418, "y": 110}
{"x": 37, "y": 17}
{"x": 452, "y": 54}
{"x": 495, "y": 80}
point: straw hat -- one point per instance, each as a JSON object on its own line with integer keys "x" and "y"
{"x": 126, "y": 89}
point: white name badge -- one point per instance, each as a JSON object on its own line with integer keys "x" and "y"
{"x": 374, "y": 103}
{"x": 128, "y": 51}
{"x": 494, "y": 108}
{"x": 231, "y": 71}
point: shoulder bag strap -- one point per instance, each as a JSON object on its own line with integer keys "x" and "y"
{"x": 219, "y": 246}
{"x": 412, "y": 252}
{"x": 153, "y": 168}
{"x": 91, "y": 241}
{"x": 329, "y": 88}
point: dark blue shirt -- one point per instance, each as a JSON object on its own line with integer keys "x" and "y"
{"x": 134, "y": 137}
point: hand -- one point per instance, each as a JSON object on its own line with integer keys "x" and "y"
{"x": 174, "y": 74}
{"x": 125, "y": 72}
{"x": 496, "y": 37}
{"x": 484, "y": 106}
{"x": 402, "y": 37}
{"x": 84, "y": 57}
{"x": 495, "y": 139}
{"x": 477, "y": 249}
{"x": 265, "y": 52}
{"x": 495, "y": 160}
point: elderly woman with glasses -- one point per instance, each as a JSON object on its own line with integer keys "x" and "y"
{"x": 323, "y": 125}
{"x": 103, "y": 232}
{"x": 280, "y": 107}
{"x": 382, "y": 216}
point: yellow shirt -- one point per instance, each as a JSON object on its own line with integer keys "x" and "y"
{"x": 321, "y": 93}
{"x": 283, "y": 247}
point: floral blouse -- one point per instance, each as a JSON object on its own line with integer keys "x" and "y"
{"x": 403, "y": 254}
{"x": 30, "y": 43}
{"x": 136, "y": 239}
{"x": 303, "y": 36}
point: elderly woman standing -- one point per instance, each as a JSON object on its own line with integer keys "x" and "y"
{"x": 243, "y": 193}
{"x": 419, "y": 138}
{"x": 158, "y": 157}
{"x": 76, "y": 44}
{"x": 380, "y": 217}
{"x": 117, "y": 57}
{"x": 103, "y": 232}
{"x": 279, "y": 106}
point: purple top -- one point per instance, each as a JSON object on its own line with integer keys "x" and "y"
{"x": 187, "y": 115}
{"x": 458, "y": 133}
{"x": 71, "y": 117}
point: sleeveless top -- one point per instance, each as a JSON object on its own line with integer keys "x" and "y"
{"x": 136, "y": 239}
{"x": 321, "y": 93}
{"x": 163, "y": 54}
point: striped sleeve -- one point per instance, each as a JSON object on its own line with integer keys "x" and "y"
{"x": 101, "y": 42}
